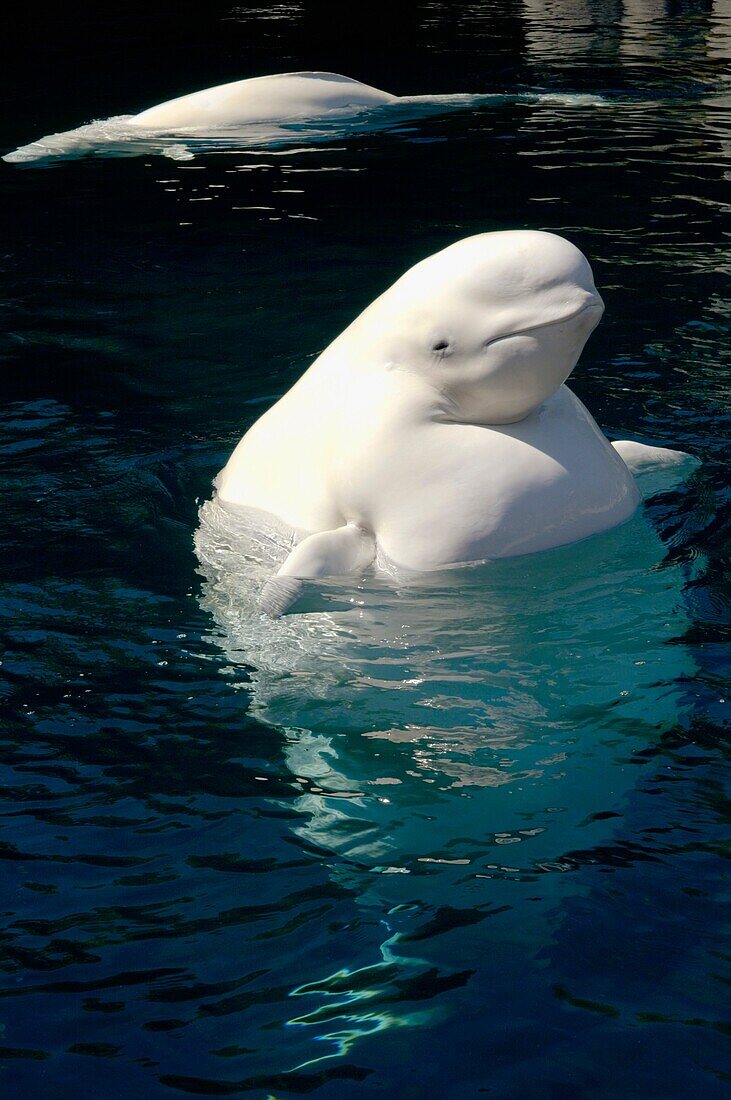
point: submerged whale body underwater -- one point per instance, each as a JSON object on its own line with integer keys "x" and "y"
{"x": 264, "y": 110}
{"x": 436, "y": 430}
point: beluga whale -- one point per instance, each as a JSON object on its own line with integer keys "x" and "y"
{"x": 259, "y": 111}
{"x": 262, "y": 99}
{"x": 437, "y": 429}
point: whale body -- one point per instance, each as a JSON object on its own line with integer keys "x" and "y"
{"x": 437, "y": 429}
{"x": 262, "y": 110}
{"x": 259, "y": 109}
{"x": 262, "y": 99}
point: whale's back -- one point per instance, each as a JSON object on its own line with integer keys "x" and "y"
{"x": 262, "y": 99}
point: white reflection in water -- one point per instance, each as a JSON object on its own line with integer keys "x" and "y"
{"x": 718, "y": 42}
{"x": 560, "y": 30}
{"x": 561, "y": 33}
{"x": 644, "y": 30}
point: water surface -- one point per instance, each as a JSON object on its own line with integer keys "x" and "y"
{"x": 466, "y": 838}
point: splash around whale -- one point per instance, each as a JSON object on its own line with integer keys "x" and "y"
{"x": 436, "y": 430}
{"x": 264, "y": 110}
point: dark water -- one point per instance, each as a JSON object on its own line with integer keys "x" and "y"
{"x": 479, "y": 866}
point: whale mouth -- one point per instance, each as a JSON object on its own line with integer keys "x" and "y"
{"x": 596, "y": 305}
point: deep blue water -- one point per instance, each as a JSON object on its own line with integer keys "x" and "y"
{"x": 472, "y": 843}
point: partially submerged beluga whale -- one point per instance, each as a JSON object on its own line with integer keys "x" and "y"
{"x": 261, "y": 110}
{"x": 262, "y": 99}
{"x": 437, "y": 430}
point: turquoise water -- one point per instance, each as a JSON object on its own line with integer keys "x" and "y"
{"x": 459, "y": 837}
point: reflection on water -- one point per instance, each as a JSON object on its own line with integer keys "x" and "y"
{"x": 639, "y": 35}
{"x": 453, "y": 837}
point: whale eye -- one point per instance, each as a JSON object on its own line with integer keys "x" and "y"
{"x": 441, "y": 348}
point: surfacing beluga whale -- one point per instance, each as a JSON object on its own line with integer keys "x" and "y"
{"x": 262, "y": 99}
{"x": 437, "y": 430}
{"x": 262, "y": 110}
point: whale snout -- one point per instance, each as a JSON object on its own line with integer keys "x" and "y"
{"x": 590, "y": 310}
{"x": 592, "y": 299}
{"x": 564, "y": 334}
{"x": 576, "y": 314}
{"x": 576, "y": 311}
{"x": 574, "y": 301}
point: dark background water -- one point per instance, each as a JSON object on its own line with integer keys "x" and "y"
{"x": 175, "y": 916}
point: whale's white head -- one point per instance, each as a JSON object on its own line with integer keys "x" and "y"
{"x": 495, "y": 322}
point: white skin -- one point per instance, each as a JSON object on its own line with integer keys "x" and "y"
{"x": 261, "y": 99}
{"x": 260, "y": 109}
{"x": 436, "y": 430}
